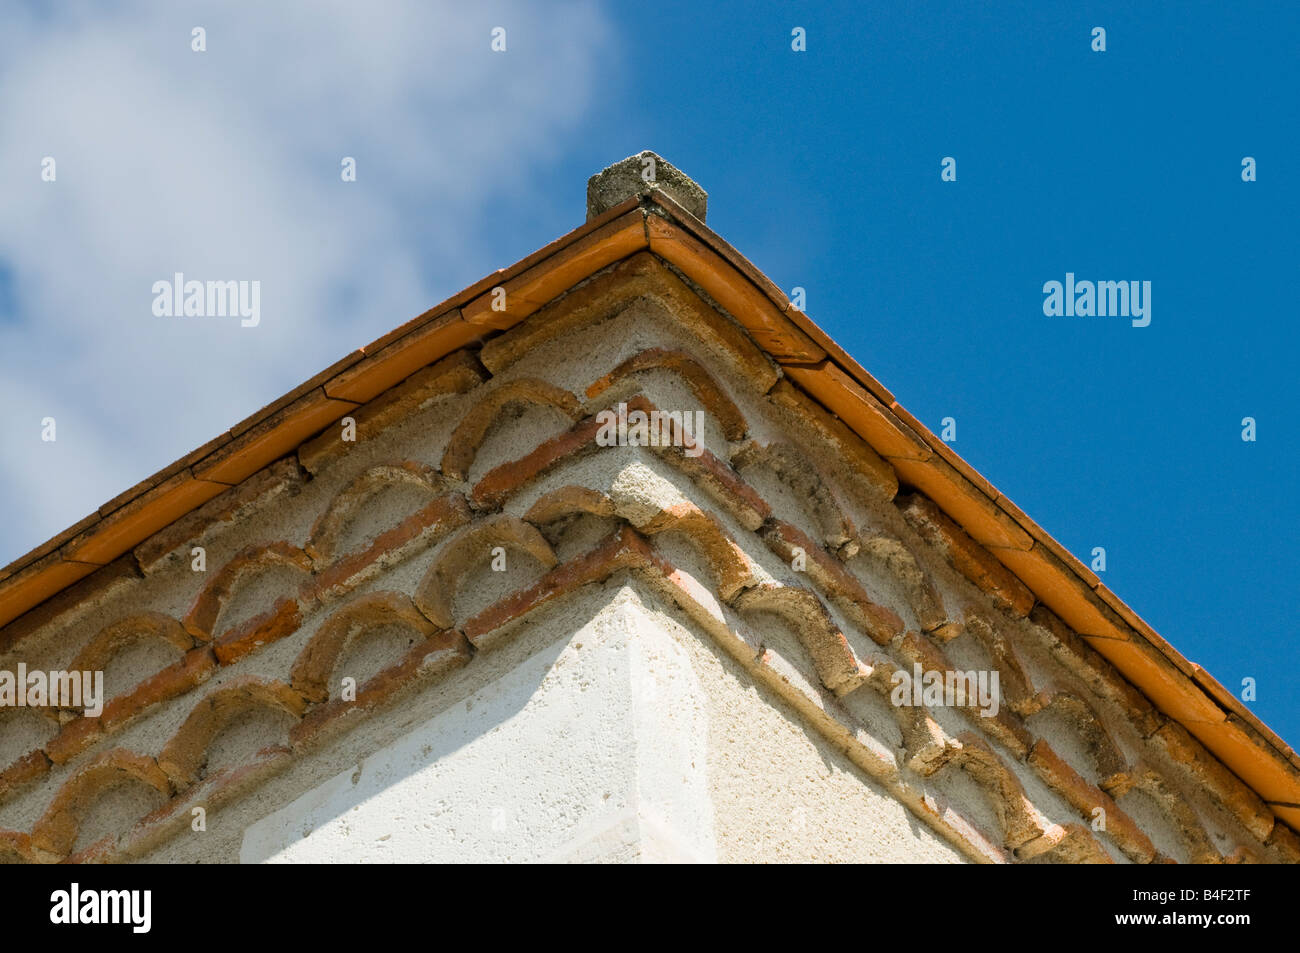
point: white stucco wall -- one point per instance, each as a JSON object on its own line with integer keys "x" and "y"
{"x": 594, "y": 748}
{"x": 632, "y": 739}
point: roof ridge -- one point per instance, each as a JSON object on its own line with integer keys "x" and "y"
{"x": 818, "y": 371}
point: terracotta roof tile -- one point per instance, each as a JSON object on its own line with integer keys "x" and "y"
{"x": 380, "y": 369}
{"x": 850, "y": 396}
{"x": 885, "y": 430}
{"x": 763, "y": 319}
{"x": 157, "y": 507}
{"x": 272, "y": 438}
{"x": 548, "y": 279}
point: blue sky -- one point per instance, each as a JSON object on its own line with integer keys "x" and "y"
{"x": 823, "y": 167}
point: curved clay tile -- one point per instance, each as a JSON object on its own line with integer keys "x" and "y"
{"x": 1109, "y": 762}
{"x": 1182, "y": 817}
{"x": 837, "y": 666}
{"x": 926, "y": 745}
{"x": 622, "y": 549}
{"x": 796, "y": 470}
{"x": 202, "y": 617}
{"x": 702, "y": 384}
{"x": 831, "y": 577}
{"x": 112, "y": 638}
{"x": 640, "y": 277}
{"x": 1019, "y": 820}
{"x": 566, "y": 501}
{"x": 316, "y": 662}
{"x": 712, "y": 475}
{"x": 891, "y": 556}
{"x": 731, "y": 567}
{"x": 1069, "y": 844}
{"x": 183, "y": 756}
{"x": 462, "y": 446}
{"x": 193, "y": 668}
{"x": 1087, "y": 799}
{"x": 429, "y": 658}
{"x": 58, "y": 827}
{"x": 471, "y": 547}
{"x": 322, "y": 541}
{"x": 501, "y": 482}
{"x": 1013, "y": 680}
{"x": 872, "y": 473}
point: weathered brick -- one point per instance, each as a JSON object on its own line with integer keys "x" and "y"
{"x": 1019, "y": 820}
{"x": 316, "y": 662}
{"x": 202, "y": 617}
{"x": 471, "y": 547}
{"x": 421, "y": 529}
{"x": 893, "y": 557}
{"x": 429, "y": 658}
{"x": 875, "y": 474}
{"x": 837, "y": 666}
{"x": 731, "y": 566}
{"x": 1210, "y": 774}
{"x": 1005, "y": 726}
{"x": 642, "y": 276}
{"x": 193, "y": 670}
{"x": 967, "y": 556}
{"x": 112, "y": 638}
{"x": 16, "y": 848}
{"x": 281, "y": 620}
{"x": 499, "y": 483}
{"x": 349, "y": 502}
{"x": 30, "y": 767}
{"x": 79, "y": 734}
{"x": 1068, "y": 844}
{"x": 454, "y": 374}
{"x": 566, "y": 501}
{"x": 720, "y": 481}
{"x": 713, "y": 398}
{"x": 462, "y": 446}
{"x": 56, "y": 831}
{"x": 1084, "y": 798}
{"x": 282, "y": 478}
{"x": 183, "y": 755}
{"x": 829, "y": 575}
{"x": 624, "y": 549}
{"x": 1082, "y": 660}
{"x": 808, "y": 484}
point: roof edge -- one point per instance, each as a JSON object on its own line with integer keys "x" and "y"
{"x": 809, "y": 358}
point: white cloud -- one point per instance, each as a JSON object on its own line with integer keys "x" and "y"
{"x": 225, "y": 165}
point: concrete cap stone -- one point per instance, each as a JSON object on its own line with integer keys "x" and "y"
{"x": 641, "y": 173}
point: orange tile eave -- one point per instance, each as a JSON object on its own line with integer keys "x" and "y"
{"x": 809, "y": 358}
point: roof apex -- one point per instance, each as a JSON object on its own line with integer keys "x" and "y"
{"x": 639, "y": 174}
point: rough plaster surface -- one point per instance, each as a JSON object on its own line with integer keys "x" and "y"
{"x": 592, "y": 749}
{"x": 776, "y": 788}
